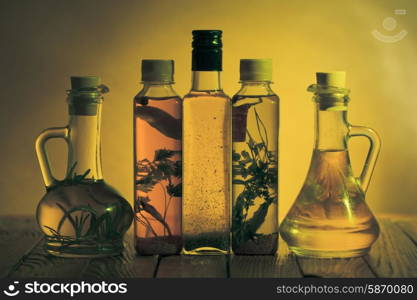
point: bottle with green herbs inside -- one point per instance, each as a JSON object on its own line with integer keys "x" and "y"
{"x": 158, "y": 166}
{"x": 207, "y": 151}
{"x": 81, "y": 215}
{"x": 255, "y": 161}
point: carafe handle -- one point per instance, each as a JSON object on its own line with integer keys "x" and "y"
{"x": 372, "y": 156}
{"x": 49, "y": 133}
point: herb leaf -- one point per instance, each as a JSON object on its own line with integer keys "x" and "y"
{"x": 160, "y": 172}
{"x": 257, "y": 172}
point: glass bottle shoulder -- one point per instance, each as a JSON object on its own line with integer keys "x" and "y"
{"x": 255, "y": 92}
{"x": 165, "y": 93}
{"x": 239, "y": 99}
{"x": 203, "y": 95}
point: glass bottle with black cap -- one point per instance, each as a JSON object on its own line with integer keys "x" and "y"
{"x": 206, "y": 151}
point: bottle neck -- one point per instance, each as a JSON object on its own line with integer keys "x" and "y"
{"x": 84, "y": 143}
{"x": 206, "y": 81}
{"x": 331, "y": 129}
{"x": 157, "y": 89}
{"x": 255, "y": 88}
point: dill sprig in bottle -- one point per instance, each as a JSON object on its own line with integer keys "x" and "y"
{"x": 255, "y": 128}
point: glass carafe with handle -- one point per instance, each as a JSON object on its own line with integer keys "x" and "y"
{"x": 81, "y": 215}
{"x": 330, "y": 217}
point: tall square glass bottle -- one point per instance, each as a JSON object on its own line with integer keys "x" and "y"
{"x": 157, "y": 142}
{"x": 255, "y": 161}
{"x": 207, "y": 151}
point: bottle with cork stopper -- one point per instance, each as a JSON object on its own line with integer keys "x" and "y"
{"x": 330, "y": 218}
{"x": 81, "y": 215}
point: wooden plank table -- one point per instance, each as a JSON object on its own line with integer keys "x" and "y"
{"x": 22, "y": 256}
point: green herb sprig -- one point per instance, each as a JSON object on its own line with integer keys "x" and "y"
{"x": 160, "y": 171}
{"x": 88, "y": 225}
{"x": 257, "y": 169}
{"x": 71, "y": 179}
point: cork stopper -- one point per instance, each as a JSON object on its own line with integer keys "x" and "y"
{"x": 85, "y": 82}
{"x": 85, "y": 95}
{"x": 335, "y": 79}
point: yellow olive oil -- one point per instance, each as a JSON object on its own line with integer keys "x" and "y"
{"x": 206, "y": 167}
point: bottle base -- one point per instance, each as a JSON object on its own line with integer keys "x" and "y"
{"x": 265, "y": 253}
{"x": 206, "y": 243}
{"x": 204, "y": 251}
{"x": 164, "y": 245}
{"x": 328, "y": 254}
{"x": 265, "y": 244}
{"x": 83, "y": 250}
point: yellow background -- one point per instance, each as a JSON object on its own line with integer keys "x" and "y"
{"x": 44, "y": 42}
